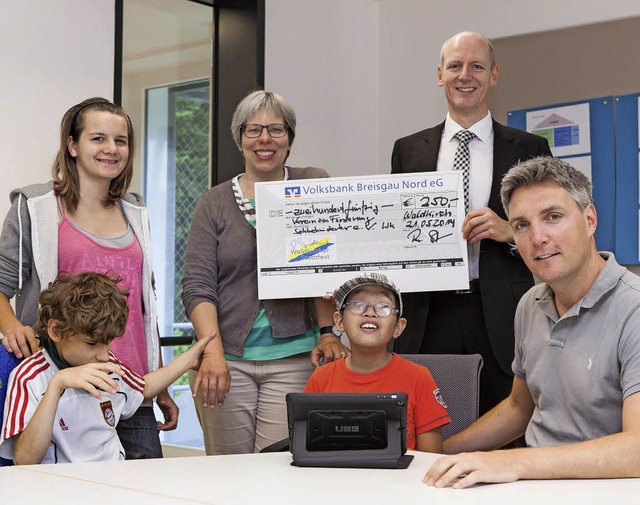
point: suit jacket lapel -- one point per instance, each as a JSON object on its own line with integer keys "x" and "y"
{"x": 504, "y": 152}
{"x": 432, "y": 138}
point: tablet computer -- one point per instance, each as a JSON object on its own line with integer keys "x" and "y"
{"x": 363, "y": 430}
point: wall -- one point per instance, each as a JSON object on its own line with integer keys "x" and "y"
{"x": 578, "y": 64}
{"x": 53, "y": 55}
{"x": 347, "y": 66}
{"x": 410, "y": 98}
{"x": 323, "y": 58}
{"x": 360, "y": 73}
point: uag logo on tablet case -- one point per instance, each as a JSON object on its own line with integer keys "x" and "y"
{"x": 292, "y": 192}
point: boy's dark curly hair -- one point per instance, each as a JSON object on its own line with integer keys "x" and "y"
{"x": 90, "y": 304}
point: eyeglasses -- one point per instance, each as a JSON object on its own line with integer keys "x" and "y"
{"x": 253, "y": 131}
{"x": 381, "y": 309}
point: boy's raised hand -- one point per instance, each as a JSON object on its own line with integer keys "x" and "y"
{"x": 92, "y": 377}
{"x": 195, "y": 352}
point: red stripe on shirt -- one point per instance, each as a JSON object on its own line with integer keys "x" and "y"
{"x": 134, "y": 380}
{"x": 19, "y": 394}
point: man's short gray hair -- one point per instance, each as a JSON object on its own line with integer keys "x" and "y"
{"x": 256, "y": 101}
{"x": 546, "y": 169}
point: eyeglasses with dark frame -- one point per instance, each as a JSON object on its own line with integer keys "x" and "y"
{"x": 254, "y": 130}
{"x": 382, "y": 309}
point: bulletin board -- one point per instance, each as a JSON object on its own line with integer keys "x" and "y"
{"x": 583, "y": 134}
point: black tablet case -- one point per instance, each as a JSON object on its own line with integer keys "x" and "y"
{"x": 357, "y": 430}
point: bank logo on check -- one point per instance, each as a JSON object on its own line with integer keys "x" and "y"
{"x": 292, "y": 191}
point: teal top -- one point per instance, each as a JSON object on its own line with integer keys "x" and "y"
{"x": 260, "y": 344}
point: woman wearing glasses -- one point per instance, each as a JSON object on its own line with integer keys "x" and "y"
{"x": 261, "y": 350}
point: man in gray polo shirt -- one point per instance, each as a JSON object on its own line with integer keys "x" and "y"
{"x": 577, "y": 351}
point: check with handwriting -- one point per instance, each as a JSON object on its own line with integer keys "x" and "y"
{"x": 314, "y": 234}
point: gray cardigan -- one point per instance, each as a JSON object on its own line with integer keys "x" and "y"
{"x": 221, "y": 268}
{"x": 30, "y": 238}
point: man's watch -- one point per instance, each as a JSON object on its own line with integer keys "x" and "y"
{"x": 330, "y": 329}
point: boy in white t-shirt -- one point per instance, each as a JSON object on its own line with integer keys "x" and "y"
{"x": 64, "y": 402}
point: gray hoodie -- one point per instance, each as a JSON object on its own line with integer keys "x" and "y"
{"x": 29, "y": 254}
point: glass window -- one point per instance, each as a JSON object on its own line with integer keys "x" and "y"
{"x": 166, "y": 75}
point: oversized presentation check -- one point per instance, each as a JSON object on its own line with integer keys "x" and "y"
{"x": 314, "y": 234}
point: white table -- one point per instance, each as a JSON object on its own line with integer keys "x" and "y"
{"x": 270, "y": 479}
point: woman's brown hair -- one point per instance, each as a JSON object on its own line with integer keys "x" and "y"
{"x": 65, "y": 170}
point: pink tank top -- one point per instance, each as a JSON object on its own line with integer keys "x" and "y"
{"x": 78, "y": 252}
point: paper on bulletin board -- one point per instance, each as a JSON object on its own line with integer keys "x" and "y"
{"x": 314, "y": 234}
{"x": 567, "y": 128}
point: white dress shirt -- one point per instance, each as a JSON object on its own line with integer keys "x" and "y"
{"x": 480, "y": 171}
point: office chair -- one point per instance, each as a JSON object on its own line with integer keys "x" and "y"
{"x": 458, "y": 377}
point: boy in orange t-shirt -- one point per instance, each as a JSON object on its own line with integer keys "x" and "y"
{"x": 369, "y": 310}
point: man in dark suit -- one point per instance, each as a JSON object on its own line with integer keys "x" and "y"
{"x": 480, "y": 319}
